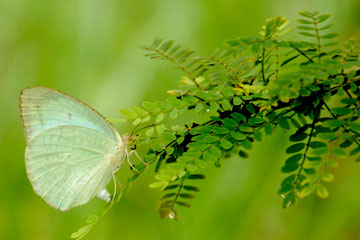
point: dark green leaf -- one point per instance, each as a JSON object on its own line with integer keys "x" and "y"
{"x": 173, "y": 186}
{"x": 283, "y": 122}
{"x": 334, "y": 123}
{"x": 285, "y": 188}
{"x": 289, "y": 200}
{"x": 340, "y": 152}
{"x": 314, "y": 159}
{"x": 191, "y": 188}
{"x": 305, "y": 28}
{"x": 238, "y": 116}
{"x": 306, "y": 14}
{"x": 290, "y": 167}
{"x": 246, "y": 129}
{"x": 304, "y": 21}
{"x": 216, "y": 151}
{"x": 330, "y": 35}
{"x": 322, "y": 18}
{"x": 250, "y": 108}
{"x": 167, "y": 45}
{"x": 225, "y": 144}
{"x": 349, "y": 101}
{"x": 319, "y": 151}
{"x": 354, "y": 126}
{"x": 196, "y": 176}
{"x": 297, "y": 137}
{"x": 255, "y": 120}
{"x": 183, "y": 204}
{"x": 268, "y": 129}
{"x": 317, "y": 144}
{"x": 304, "y": 92}
{"x": 221, "y": 131}
{"x": 307, "y": 34}
{"x": 355, "y": 151}
{"x": 326, "y": 27}
{"x": 168, "y": 195}
{"x": 327, "y": 136}
{"x": 295, "y": 148}
{"x": 230, "y": 122}
{"x": 243, "y": 154}
{"x": 258, "y": 135}
{"x": 294, "y": 158}
{"x": 341, "y": 111}
{"x": 246, "y": 144}
{"x": 238, "y": 136}
{"x": 187, "y": 195}
{"x": 346, "y": 143}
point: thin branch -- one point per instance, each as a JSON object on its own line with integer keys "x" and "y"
{"x": 304, "y": 54}
{"x": 263, "y": 65}
{"x": 306, "y": 149}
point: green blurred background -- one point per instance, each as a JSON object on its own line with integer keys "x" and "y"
{"x": 89, "y": 49}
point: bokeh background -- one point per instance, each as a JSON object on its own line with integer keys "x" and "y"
{"x": 89, "y": 49}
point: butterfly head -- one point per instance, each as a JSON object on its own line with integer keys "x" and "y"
{"x": 130, "y": 141}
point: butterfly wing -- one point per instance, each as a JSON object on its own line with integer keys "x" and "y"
{"x": 69, "y": 165}
{"x": 43, "y": 108}
{"x": 71, "y": 150}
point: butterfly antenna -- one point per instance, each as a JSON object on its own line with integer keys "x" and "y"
{"x": 133, "y": 131}
{"x": 151, "y": 125}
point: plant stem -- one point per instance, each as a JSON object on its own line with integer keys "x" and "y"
{"x": 317, "y": 37}
{"x": 263, "y": 65}
{"x": 307, "y": 147}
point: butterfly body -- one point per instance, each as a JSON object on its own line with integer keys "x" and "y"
{"x": 72, "y": 151}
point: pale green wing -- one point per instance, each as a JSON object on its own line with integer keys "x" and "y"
{"x": 43, "y": 108}
{"x": 71, "y": 151}
{"x": 69, "y": 165}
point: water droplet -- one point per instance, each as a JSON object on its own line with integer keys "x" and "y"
{"x": 171, "y": 215}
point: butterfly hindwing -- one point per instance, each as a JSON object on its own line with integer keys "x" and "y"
{"x": 68, "y": 165}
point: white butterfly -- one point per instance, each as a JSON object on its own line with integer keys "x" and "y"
{"x": 72, "y": 151}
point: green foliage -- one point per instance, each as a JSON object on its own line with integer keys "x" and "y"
{"x": 245, "y": 91}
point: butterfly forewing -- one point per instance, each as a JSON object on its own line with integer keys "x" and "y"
{"x": 42, "y": 108}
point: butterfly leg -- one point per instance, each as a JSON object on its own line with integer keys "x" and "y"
{"x": 138, "y": 156}
{"x": 128, "y": 160}
{"x": 114, "y": 178}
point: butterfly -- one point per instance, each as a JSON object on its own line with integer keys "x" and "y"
{"x": 72, "y": 151}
